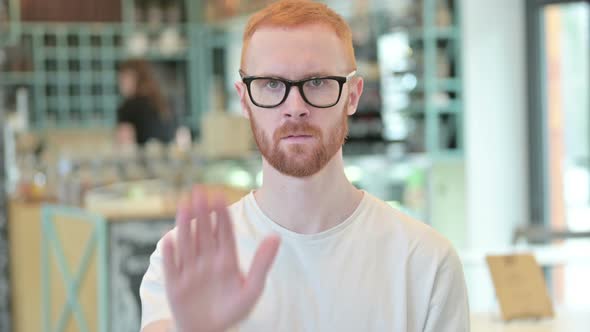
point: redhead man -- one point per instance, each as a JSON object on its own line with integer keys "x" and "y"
{"x": 307, "y": 251}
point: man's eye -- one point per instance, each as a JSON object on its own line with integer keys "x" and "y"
{"x": 316, "y": 82}
{"x": 273, "y": 84}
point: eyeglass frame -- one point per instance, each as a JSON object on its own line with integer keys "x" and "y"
{"x": 299, "y": 84}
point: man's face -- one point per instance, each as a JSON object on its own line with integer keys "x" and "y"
{"x": 300, "y": 149}
{"x": 296, "y": 138}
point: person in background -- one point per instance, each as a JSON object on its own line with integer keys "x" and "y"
{"x": 144, "y": 114}
{"x": 347, "y": 260}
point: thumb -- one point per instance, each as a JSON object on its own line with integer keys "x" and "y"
{"x": 263, "y": 259}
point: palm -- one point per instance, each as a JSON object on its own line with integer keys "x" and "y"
{"x": 205, "y": 287}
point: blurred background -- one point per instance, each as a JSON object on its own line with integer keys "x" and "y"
{"x": 475, "y": 119}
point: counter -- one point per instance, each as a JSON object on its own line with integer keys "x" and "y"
{"x": 107, "y": 247}
{"x": 99, "y": 250}
{"x": 565, "y": 321}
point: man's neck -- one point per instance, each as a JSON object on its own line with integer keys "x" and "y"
{"x": 308, "y": 205}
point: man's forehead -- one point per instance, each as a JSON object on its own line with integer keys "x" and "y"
{"x": 304, "y": 31}
{"x": 293, "y": 72}
{"x": 295, "y": 53}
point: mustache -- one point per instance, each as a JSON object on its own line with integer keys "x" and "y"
{"x": 296, "y": 128}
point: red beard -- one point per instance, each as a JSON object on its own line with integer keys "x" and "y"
{"x": 300, "y": 160}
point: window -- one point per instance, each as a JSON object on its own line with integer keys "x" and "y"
{"x": 559, "y": 120}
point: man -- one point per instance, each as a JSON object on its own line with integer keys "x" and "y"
{"x": 347, "y": 261}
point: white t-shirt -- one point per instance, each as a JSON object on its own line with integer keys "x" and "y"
{"x": 379, "y": 270}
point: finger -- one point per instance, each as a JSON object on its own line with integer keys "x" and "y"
{"x": 169, "y": 256}
{"x": 218, "y": 200}
{"x": 185, "y": 241}
{"x": 261, "y": 264}
{"x": 226, "y": 242}
{"x": 205, "y": 240}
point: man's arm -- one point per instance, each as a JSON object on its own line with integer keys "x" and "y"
{"x": 154, "y": 306}
{"x": 448, "y": 310}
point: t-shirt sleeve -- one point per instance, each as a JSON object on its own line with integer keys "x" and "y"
{"x": 448, "y": 310}
{"x": 154, "y": 304}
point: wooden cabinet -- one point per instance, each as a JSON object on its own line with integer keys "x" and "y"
{"x": 91, "y": 264}
{"x": 130, "y": 243}
{"x": 25, "y": 265}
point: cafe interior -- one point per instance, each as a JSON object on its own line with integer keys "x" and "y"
{"x": 474, "y": 119}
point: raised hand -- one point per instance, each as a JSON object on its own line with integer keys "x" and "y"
{"x": 206, "y": 290}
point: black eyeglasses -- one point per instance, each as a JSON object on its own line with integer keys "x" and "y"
{"x": 270, "y": 92}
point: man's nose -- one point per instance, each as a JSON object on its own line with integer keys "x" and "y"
{"x": 295, "y": 106}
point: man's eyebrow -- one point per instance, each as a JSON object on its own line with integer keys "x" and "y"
{"x": 317, "y": 74}
{"x": 302, "y": 77}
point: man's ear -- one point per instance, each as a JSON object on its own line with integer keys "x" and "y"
{"x": 242, "y": 93}
{"x": 356, "y": 85}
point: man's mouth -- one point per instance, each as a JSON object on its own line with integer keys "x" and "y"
{"x": 297, "y": 137}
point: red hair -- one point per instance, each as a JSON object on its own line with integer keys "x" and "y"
{"x": 296, "y": 13}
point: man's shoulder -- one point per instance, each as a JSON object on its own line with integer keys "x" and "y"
{"x": 244, "y": 214}
{"x": 240, "y": 207}
{"x": 399, "y": 226}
